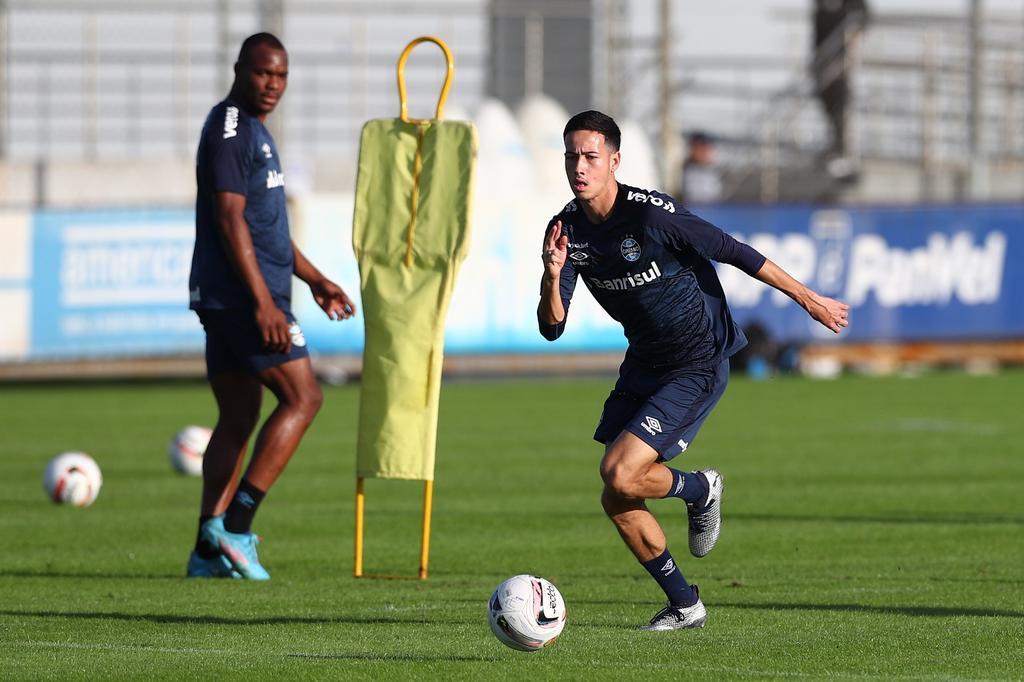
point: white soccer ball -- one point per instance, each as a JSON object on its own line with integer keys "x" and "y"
{"x": 187, "y": 448}
{"x": 526, "y": 613}
{"x": 72, "y": 478}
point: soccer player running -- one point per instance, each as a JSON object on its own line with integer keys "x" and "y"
{"x": 240, "y": 287}
{"x": 647, "y": 261}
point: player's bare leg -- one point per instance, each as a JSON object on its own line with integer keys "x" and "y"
{"x": 299, "y": 398}
{"x": 238, "y": 397}
{"x": 631, "y": 474}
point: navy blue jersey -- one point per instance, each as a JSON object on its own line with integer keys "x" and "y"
{"x": 649, "y": 266}
{"x": 237, "y": 154}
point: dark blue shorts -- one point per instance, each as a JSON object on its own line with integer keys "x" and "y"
{"x": 234, "y": 343}
{"x": 663, "y": 409}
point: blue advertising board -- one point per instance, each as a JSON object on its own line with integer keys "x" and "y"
{"x": 940, "y": 272}
{"x": 114, "y": 283}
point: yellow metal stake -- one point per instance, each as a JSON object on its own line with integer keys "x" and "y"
{"x": 360, "y": 505}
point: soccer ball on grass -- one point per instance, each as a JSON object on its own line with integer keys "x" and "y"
{"x": 526, "y": 613}
{"x": 187, "y": 449}
{"x": 72, "y": 478}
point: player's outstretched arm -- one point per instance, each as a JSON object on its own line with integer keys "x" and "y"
{"x": 556, "y": 248}
{"x": 328, "y": 295}
{"x": 831, "y": 313}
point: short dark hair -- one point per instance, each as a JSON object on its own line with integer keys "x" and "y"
{"x": 599, "y": 123}
{"x": 701, "y": 137}
{"x": 255, "y": 40}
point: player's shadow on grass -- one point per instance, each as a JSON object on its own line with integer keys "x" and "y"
{"x": 966, "y": 519}
{"x": 403, "y": 658}
{"x": 176, "y": 619}
{"x": 922, "y": 611}
{"x": 926, "y": 611}
{"x": 93, "y": 576}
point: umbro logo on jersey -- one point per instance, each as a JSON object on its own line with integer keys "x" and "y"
{"x": 651, "y": 425}
{"x": 579, "y": 256}
{"x": 274, "y": 179}
{"x": 230, "y": 122}
{"x": 669, "y": 566}
{"x": 570, "y": 207}
{"x": 652, "y": 200}
{"x": 266, "y": 151}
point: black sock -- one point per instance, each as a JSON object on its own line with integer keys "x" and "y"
{"x": 238, "y": 518}
{"x": 664, "y": 570}
{"x": 688, "y": 485}
{"x": 203, "y": 548}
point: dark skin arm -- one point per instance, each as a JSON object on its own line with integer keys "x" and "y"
{"x": 328, "y": 295}
{"x": 237, "y": 242}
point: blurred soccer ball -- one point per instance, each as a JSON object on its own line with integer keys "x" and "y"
{"x": 526, "y": 613}
{"x": 72, "y": 478}
{"x": 187, "y": 448}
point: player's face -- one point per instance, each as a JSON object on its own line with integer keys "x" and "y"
{"x": 261, "y": 79}
{"x": 589, "y": 164}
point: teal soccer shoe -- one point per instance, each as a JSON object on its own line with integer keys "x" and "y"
{"x": 217, "y": 567}
{"x": 238, "y": 548}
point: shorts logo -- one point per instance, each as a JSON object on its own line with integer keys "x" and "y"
{"x": 296, "y": 333}
{"x": 630, "y": 250}
{"x": 669, "y": 566}
{"x": 683, "y": 445}
{"x": 651, "y": 425}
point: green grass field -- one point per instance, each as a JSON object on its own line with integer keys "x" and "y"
{"x": 873, "y": 528}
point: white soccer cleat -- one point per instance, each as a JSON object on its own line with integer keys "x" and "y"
{"x": 706, "y": 522}
{"x": 679, "y": 617}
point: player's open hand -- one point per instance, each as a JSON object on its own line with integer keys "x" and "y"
{"x": 832, "y": 313}
{"x": 333, "y": 300}
{"x": 556, "y": 248}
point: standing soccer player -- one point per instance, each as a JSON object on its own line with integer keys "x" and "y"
{"x": 240, "y": 287}
{"x": 647, "y": 261}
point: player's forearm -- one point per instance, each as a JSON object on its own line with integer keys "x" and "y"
{"x": 237, "y": 241}
{"x": 774, "y": 276}
{"x": 550, "y": 310}
{"x": 305, "y": 270}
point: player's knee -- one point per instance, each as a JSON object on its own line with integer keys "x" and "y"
{"x": 619, "y": 479}
{"x": 309, "y": 401}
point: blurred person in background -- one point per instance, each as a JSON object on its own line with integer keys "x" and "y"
{"x": 702, "y": 183}
{"x": 647, "y": 262}
{"x": 240, "y": 287}
{"x": 838, "y": 29}
{"x": 838, "y": 25}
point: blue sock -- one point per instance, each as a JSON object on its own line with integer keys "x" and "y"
{"x": 688, "y": 486}
{"x": 664, "y": 570}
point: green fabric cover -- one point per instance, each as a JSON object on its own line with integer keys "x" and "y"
{"x": 403, "y": 307}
